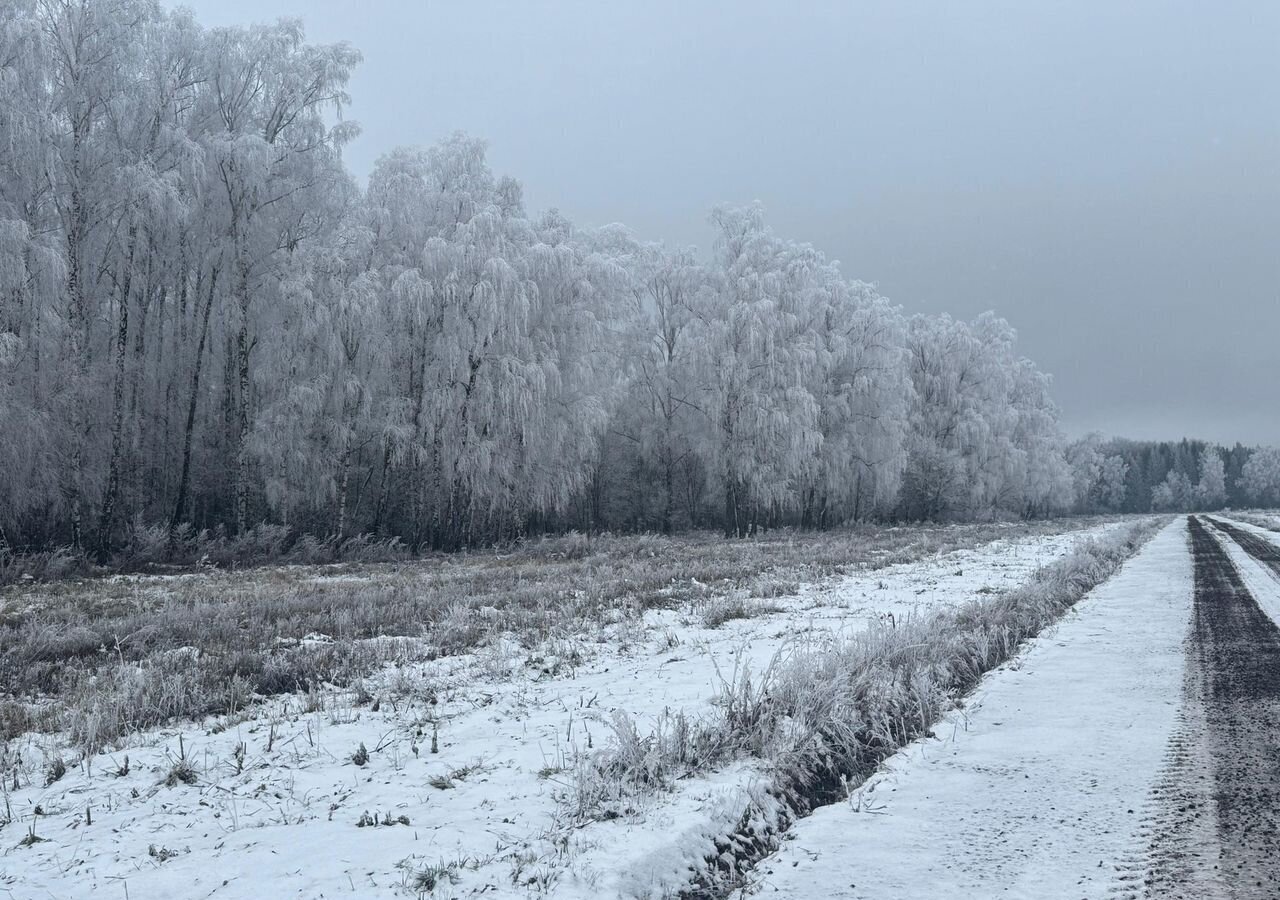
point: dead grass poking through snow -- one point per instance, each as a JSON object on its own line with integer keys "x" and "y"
{"x": 100, "y": 659}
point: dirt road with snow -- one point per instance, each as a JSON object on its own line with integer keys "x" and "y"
{"x": 1133, "y": 752}
{"x": 1233, "y": 694}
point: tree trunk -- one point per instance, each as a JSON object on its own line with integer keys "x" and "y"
{"x": 184, "y": 480}
{"x": 732, "y": 528}
{"x": 344, "y": 485}
{"x": 668, "y": 469}
{"x": 242, "y": 409}
{"x": 380, "y": 509}
{"x": 79, "y": 351}
{"x": 117, "y": 402}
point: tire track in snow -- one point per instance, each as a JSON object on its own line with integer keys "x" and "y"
{"x": 1261, "y": 549}
{"x": 1177, "y": 850}
{"x": 1216, "y": 827}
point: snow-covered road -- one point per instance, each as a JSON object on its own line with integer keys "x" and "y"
{"x": 1041, "y": 787}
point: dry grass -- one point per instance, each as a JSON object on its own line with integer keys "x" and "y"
{"x": 153, "y": 549}
{"x": 100, "y": 658}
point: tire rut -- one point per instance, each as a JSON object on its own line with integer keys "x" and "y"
{"x": 1261, "y": 549}
{"x": 1214, "y": 822}
{"x": 1178, "y": 855}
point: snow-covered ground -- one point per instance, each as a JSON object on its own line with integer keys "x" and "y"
{"x": 469, "y": 757}
{"x": 1035, "y": 790}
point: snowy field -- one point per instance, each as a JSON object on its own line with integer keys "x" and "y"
{"x": 456, "y": 776}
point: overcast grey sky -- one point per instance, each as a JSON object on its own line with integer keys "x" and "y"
{"x": 1106, "y": 175}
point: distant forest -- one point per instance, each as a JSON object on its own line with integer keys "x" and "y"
{"x": 1118, "y": 475}
{"x": 210, "y": 331}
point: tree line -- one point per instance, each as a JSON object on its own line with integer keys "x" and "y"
{"x": 207, "y": 323}
{"x": 1125, "y": 476}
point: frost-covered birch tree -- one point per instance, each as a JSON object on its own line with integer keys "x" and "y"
{"x": 1261, "y": 476}
{"x": 759, "y": 358}
{"x": 863, "y": 392}
{"x": 654, "y": 460}
{"x": 274, "y": 157}
{"x": 1211, "y": 489}
{"x": 984, "y": 437}
{"x": 35, "y": 403}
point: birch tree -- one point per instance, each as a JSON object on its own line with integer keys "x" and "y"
{"x": 759, "y": 357}
{"x": 1261, "y": 476}
{"x": 32, "y": 273}
{"x": 156, "y": 160}
{"x": 863, "y": 393}
{"x": 984, "y": 436}
{"x": 274, "y": 158}
{"x": 656, "y": 422}
{"x": 90, "y": 51}
{"x": 1211, "y": 489}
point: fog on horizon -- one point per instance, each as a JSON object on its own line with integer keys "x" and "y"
{"x": 1106, "y": 176}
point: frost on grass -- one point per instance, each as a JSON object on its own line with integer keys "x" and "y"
{"x": 824, "y": 717}
{"x": 101, "y": 659}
